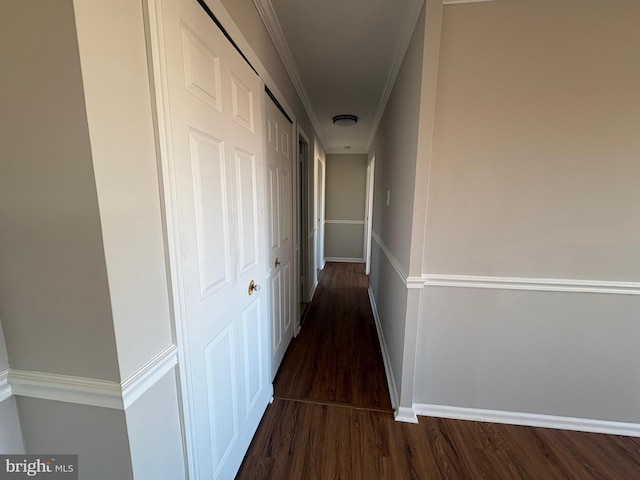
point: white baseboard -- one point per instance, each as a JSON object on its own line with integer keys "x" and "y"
{"x": 312, "y": 292}
{"x": 344, "y": 260}
{"x": 405, "y": 414}
{"x": 391, "y": 382}
{"x": 5, "y": 387}
{"x": 529, "y": 419}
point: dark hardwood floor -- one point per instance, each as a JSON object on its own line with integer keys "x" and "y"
{"x": 336, "y": 357}
{"x": 331, "y": 418}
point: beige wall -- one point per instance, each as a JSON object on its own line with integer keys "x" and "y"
{"x": 395, "y": 149}
{"x": 97, "y": 435}
{"x": 345, "y": 189}
{"x": 116, "y": 88}
{"x": 534, "y": 175}
{"x": 83, "y": 283}
{"x": 11, "y": 440}
{"x": 536, "y": 169}
{"x": 153, "y": 426}
{"x": 54, "y": 296}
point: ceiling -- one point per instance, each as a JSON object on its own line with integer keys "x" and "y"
{"x": 343, "y": 57}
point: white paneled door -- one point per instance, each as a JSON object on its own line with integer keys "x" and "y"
{"x": 280, "y": 228}
{"x": 210, "y": 106}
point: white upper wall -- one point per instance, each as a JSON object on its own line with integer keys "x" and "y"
{"x": 54, "y": 296}
{"x": 535, "y": 170}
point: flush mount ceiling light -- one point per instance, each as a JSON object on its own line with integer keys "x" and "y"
{"x": 345, "y": 120}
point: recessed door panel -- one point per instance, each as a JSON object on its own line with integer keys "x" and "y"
{"x": 247, "y": 207}
{"x": 211, "y": 210}
{"x": 221, "y": 389}
{"x": 280, "y": 198}
{"x": 214, "y": 171}
{"x": 201, "y": 68}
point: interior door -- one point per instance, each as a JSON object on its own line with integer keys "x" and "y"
{"x": 214, "y": 118}
{"x": 279, "y": 199}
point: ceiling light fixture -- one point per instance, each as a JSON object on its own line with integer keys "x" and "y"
{"x": 345, "y": 120}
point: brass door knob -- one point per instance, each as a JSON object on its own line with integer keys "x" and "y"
{"x": 253, "y": 287}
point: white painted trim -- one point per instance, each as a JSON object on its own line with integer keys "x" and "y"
{"x": 414, "y": 282}
{"x": 455, "y": 2}
{"x": 344, "y": 260}
{"x": 271, "y": 23}
{"x": 88, "y": 391}
{"x": 345, "y": 222}
{"x": 391, "y": 382}
{"x": 409, "y": 281}
{"x": 406, "y": 415}
{"x": 223, "y": 16}
{"x": 407, "y": 26}
{"x": 65, "y": 388}
{"x": 533, "y": 284}
{"x": 529, "y": 419}
{"x": 312, "y": 291}
{"x": 394, "y": 262}
{"x": 148, "y": 375}
{"x": 5, "y": 386}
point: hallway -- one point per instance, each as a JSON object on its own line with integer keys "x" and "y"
{"x": 331, "y": 417}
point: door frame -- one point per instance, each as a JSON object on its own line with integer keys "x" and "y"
{"x": 368, "y": 214}
{"x": 302, "y": 218}
{"x": 320, "y": 206}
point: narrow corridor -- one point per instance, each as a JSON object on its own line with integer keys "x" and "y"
{"x": 331, "y": 417}
{"x": 336, "y": 357}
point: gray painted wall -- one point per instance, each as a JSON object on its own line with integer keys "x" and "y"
{"x": 113, "y": 56}
{"x": 97, "y": 435}
{"x": 83, "y": 282}
{"x": 345, "y": 191}
{"x": 153, "y": 425}
{"x": 11, "y": 440}
{"x": 54, "y": 296}
{"x": 535, "y": 174}
{"x": 395, "y": 149}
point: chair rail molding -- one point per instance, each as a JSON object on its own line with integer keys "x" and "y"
{"x": 5, "y": 387}
{"x": 89, "y": 391}
{"x": 534, "y": 284}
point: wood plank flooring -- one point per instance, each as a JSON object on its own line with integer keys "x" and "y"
{"x": 327, "y": 422}
{"x": 336, "y": 357}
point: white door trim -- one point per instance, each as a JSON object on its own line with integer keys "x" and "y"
{"x": 369, "y": 213}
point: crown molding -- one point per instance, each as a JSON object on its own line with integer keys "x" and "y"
{"x": 407, "y": 27}
{"x": 271, "y": 23}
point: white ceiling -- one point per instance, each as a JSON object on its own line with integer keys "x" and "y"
{"x": 343, "y": 56}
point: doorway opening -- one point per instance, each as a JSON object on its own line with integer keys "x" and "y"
{"x": 303, "y": 209}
